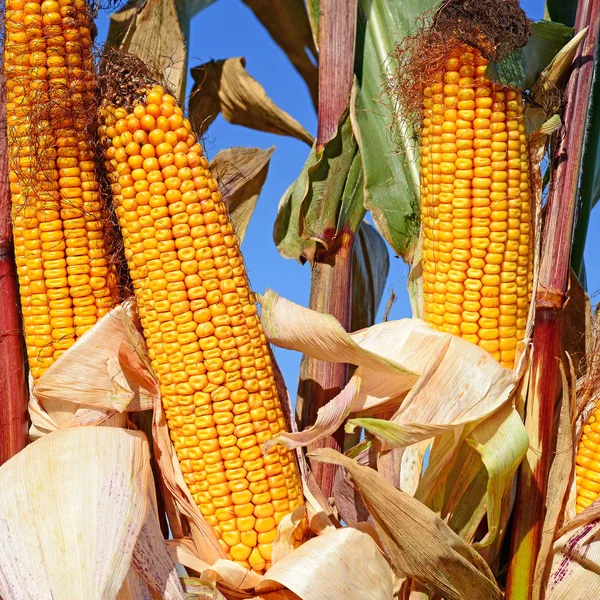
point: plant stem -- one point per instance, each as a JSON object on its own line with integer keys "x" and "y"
{"x": 550, "y": 299}
{"x": 330, "y": 293}
{"x": 13, "y": 389}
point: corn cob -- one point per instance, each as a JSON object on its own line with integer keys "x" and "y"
{"x": 587, "y": 472}
{"x": 204, "y": 336}
{"x": 475, "y": 209}
{"x": 64, "y": 277}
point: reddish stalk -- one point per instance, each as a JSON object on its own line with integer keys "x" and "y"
{"x": 13, "y": 390}
{"x": 330, "y": 293}
{"x": 337, "y": 35}
{"x": 550, "y": 299}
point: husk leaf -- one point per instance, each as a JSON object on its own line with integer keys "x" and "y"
{"x": 419, "y": 543}
{"x": 91, "y": 514}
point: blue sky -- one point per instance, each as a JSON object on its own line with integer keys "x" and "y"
{"x": 229, "y": 29}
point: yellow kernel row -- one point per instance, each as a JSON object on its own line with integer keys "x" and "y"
{"x": 475, "y": 211}
{"x": 66, "y": 283}
{"x": 201, "y": 324}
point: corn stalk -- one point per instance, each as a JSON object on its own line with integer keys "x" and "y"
{"x": 13, "y": 391}
{"x": 550, "y": 300}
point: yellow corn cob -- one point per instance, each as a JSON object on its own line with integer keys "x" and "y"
{"x": 204, "y": 336}
{"x": 588, "y": 463}
{"x": 64, "y": 278}
{"x": 475, "y": 209}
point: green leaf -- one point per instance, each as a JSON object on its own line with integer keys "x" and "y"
{"x": 370, "y": 267}
{"x": 327, "y": 181}
{"x": 388, "y": 145}
{"x": 523, "y": 66}
{"x": 561, "y": 11}
{"x": 501, "y": 441}
{"x": 285, "y": 231}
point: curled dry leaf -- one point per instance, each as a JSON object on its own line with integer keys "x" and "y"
{"x": 344, "y": 563}
{"x": 284, "y": 542}
{"x": 91, "y": 513}
{"x": 116, "y": 374}
{"x": 196, "y": 589}
{"x": 288, "y": 24}
{"x": 440, "y": 382}
{"x": 419, "y": 543}
{"x": 241, "y": 173}
{"x": 226, "y": 86}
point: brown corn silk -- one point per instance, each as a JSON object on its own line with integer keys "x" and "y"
{"x": 204, "y": 336}
{"x": 475, "y": 207}
{"x": 65, "y": 281}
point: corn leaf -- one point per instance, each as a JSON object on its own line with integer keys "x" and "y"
{"x": 439, "y": 381}
{"x": 561, "y": 11}
{"x": 387, "y": 143}
{"x": 522, "y": 68}
{"x": 152, "y": 561}
{"x": 343, "y": 563}
{"x": 288, "y": 25}
{"x": 370, "y": 267}
{"x": 326, "y": 194}
{"x": 418, "y": 542}
{"x": 196, "y": 589}
{"x": 71, "y": 507}
{"x": 285, "y": 231}
{"x": 241, "y": 173}
{"x": 502, "y": 441}
{"x": 225, "y": 86}
{"x": 576, "y": 564}
{"x": 116, "y": 375}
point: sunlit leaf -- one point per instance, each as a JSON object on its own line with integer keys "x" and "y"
{"x": 241, "y": 173}
{"x": 226, "y": 86}
{"x": 419, "y": 543}
{"x": 502, "y": 441}
{"x": 388, "y": 145}
{"x": 438, "y": 382}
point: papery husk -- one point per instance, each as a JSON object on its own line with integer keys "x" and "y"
{"x": 106, "y": 372}
{"x": 72, "y": 505}
{"x": 561, "y": 475}
{"x": 440, "y": 382}
{"x": 419, "y": 543}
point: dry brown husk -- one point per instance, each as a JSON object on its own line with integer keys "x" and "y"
{"x": 148, "y": 570}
